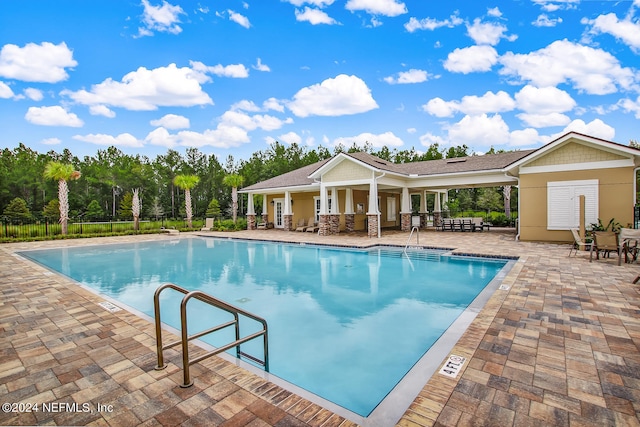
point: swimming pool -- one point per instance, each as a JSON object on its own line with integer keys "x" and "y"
{"x": 344, "y": 324}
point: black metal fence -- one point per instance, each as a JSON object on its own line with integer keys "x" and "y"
{"x": 12, "y": 229}
{"x": 636, "y": 216}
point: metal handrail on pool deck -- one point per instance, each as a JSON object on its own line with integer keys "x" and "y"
{"x": 208, "y": 299}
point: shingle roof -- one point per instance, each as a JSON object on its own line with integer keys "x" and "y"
{"x": 464, "y": 164}
{"x": 294, "y": 178}
{"x": 300, "y": 177}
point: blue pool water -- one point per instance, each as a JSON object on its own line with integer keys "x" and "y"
{"x": 344, "y": 324}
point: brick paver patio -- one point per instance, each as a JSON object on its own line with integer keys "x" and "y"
{"x": 560, "y": 347}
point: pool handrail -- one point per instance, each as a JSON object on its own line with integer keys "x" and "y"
{"x": 185, "y": 338}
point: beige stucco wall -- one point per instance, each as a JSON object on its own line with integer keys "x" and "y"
{"x": 346, "y": 170}
{"x": 574, "y": 152}
{"x": 615, "y": 195}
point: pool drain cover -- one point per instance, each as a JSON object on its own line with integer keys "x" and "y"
{"x": 243, "y": 300}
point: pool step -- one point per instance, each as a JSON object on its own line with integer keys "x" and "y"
{"x": 414, "y": 254}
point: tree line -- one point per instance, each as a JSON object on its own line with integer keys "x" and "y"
{"x": 108, "y": 181}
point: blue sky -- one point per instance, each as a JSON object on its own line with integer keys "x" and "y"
{"x": 230, "y": 77}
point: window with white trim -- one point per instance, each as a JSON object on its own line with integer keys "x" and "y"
{"x": 563, "y": 203}
{"x": 316, "y": 203}
{"x": 391, "y": 208}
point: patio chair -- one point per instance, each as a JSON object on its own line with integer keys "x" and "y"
{"x": 301, "y": 225}
{"x": 605, "y": 242}
{"x": 628, "y": 239}
{"x": 578, "y": 243}
{"x": 310, "y": 223}
{"x": 312, "y": 227}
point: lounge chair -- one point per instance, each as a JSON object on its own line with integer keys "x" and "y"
{"x": 301, "y": 226}
{"x": 628, "y": 240}
{"x": 605, "y": 242}
{"x": 312, "y": 227}
{"x": 578, "y": 243}
{"x": 208, "y": 224}
{"x": 310, "y": 223}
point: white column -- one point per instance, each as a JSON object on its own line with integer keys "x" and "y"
{"x": 423, "y": 201}
{"x": 373, "y": 198}
{"x": 348, "y": 201}
{"x": 264, "y": 204}
{"x": 323, "y": 200}
{"x": 405, "y": 204}
{"x": 445, "y": 198}
{"x": 335, "y": 208}
{"x": 436, "y": 206}
{"x": 287, "y": 203}
{"x": 250, "y": 210}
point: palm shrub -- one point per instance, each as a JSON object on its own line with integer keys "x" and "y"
{"x": 234, "y": 181}
{"x": 187, "y": 182}
{"x": 62, "y": 172}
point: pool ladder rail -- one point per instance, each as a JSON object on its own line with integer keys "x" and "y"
{"x": 185, "y": 337}
{"x": 417, "y": 230}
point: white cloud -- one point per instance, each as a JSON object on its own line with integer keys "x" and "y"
{"x": 544, "y": 100}
{"x": 431, "y": 24}
{"x": 122, "y": 140}
{"x": 290, "y": 138}
{"x": 377, "y": 7}
{"x": 221, "y": 137}
{"x": 33, "y": 94}
{"x": 45, "y": 62}
{"x": 544, "y": 120}
{"x": 625, "y": 30}
{"x": 406, "y": 77}
{"x": 596, "y": 128}
{"x": 544, "y": 21}
{"x": 145, "y": 90}
{"x": 471, "y": 59}
{"x": 554, "y": 5}
{"x": 273, "y": 104}
{"x": 101, "y": 110}
{"x": 485, "y": 33}
{"x": 473, "y": 105}
{"x": 525, "y": 138}
{"x": 338, "y": 96}
{"x": 251, "y": 122}
{"x": 494, "y": 12}
{"x": 5, "y": 91}
{"x": 51, "y": 141}
{"x": 593, "y": 71}
{"x": 163, "y": 18}
{"x": 387, "y": 139}
{"x": 631, "y": 106}
{"x": 261, "y": 67}
{"x": 318, "y": 3}
{"x": 428, "y": 139}
{"x": 238, "y": 71}
{"x": 239, "y": 19}
{"x": 314, "y": 16}
{"x": 172, "y": 121}
{"x": 52, "y": 116}
{"x": 483, "y": 130}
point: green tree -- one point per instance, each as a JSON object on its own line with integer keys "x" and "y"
{"x": 234, "y": 181}
{"x": 187, "y": 182}
{"x": 94, "y": 211}
{"x": 18, "y": 210}
{"x": 213, "y": 210}
{"x": 125, "y": 206}
{"x": 52, "y": 210}
{"x": 62, "y": 172}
